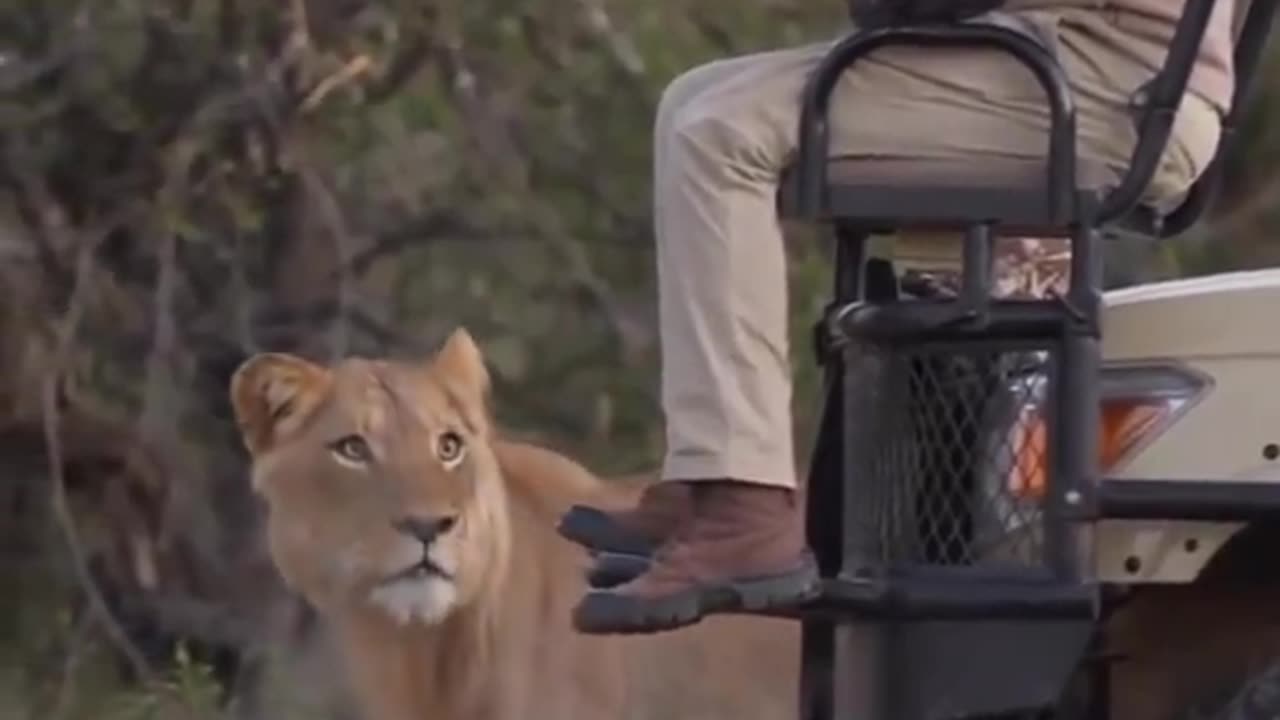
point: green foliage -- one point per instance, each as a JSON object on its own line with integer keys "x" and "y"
{"x": 502, "y": 182}
{"x": 356, "y": 177}
{"x": 189, "y": 693}
{"x": 53, "y": 664}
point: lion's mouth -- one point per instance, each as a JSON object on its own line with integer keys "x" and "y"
{"x": 420, "y": 570}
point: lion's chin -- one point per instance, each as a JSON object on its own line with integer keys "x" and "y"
{"x": 423, "y": 599}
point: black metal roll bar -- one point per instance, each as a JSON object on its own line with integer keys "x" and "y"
{"x": 1246, "y": 59}
{"x": 1154, "y": 127}
{"x": 814, "y": 127}
{"x": 1164, "y": 97}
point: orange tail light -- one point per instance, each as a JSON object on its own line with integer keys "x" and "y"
{"x": 1138, "y": 403}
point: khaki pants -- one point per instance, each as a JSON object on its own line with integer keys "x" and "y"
{"x": 725, "y": 130}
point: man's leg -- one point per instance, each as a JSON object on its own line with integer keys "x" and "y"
{"x": 726, "y": 381}
{"x": 723, "y": 317}
{"x": 639, "y": 530}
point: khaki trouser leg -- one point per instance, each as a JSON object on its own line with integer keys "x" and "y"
{"x": 725, "y": 132}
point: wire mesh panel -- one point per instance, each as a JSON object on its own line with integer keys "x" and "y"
{"x": 946, "y": 447}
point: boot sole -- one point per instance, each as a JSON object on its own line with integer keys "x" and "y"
{"x": 606, "y": 612}
{"x": 613, "y": 569}
{"x": 593, "y": 530}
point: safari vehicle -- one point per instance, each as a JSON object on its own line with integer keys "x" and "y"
{"x": 997, "y": 484}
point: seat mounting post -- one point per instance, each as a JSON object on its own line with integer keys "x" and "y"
{"x": 825, "y": 484}
{"x": 976, "y": 282}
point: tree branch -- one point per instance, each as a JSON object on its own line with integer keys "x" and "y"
{"x": 65, "y": 333}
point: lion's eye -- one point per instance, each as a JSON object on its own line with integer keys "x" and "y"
{"x": 449, "y": 447}
{"x": 352, "y": 449}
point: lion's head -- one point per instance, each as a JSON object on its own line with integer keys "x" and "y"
{"x": 382, "y": 488}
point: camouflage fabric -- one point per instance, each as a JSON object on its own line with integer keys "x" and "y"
{"x": 1022, "y": 268}
{"x": 1031, "y": 267}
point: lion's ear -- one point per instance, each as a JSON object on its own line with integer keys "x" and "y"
{"x": 461, "y": 365}
{"x": 272, "y": 393}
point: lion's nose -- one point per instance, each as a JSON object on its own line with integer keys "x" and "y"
{"x": 425, "y": 528}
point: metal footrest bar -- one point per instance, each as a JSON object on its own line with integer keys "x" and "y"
{"x": 923, "y": 599}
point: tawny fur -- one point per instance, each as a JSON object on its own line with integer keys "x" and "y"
{"x": 507, "y": 650}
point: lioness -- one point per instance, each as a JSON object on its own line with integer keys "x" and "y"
{"x": 429, "y": 545}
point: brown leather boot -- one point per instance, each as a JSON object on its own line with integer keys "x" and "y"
{"x": 637, "y": 531}
{"x": 742, "y": 549}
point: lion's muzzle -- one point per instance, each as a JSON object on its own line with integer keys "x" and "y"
{"x": 425, "y": 530}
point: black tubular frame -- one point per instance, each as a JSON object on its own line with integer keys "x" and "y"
{"x": 1164, "y": 96}
{"x": 1200, "y": 500}
{"x": 1247, "y": 56}
{"x": 1072, "y": 326}
{"x": 1073, "y": 208}
{"x": 814, "y": 129}
{"x": 864, "y": 305}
